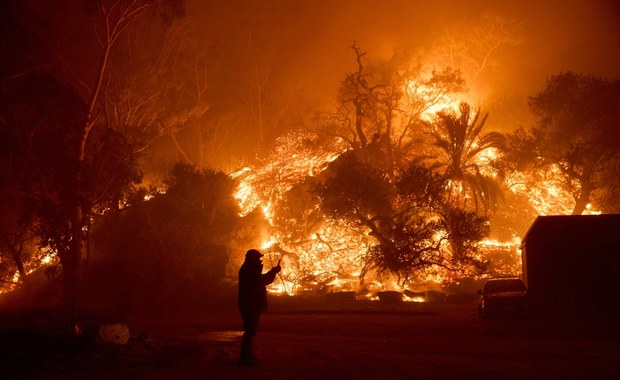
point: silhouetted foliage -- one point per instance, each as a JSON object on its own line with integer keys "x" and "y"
{"x": 297, "y": 215}
{"x": 464, "y": 230}
{"x": 42, "y": 115}
{"x": 577, "y": 129}
{"x": 25, "y": 48}
{"x": 170, "y": 250}
{"x": 406, "y": 195}
{"x": 355, "y": 190}
{"x": 65, "y": 160}
{"x": 413, "y": 226}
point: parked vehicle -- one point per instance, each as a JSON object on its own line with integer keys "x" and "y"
{"x": 505, "y": 296}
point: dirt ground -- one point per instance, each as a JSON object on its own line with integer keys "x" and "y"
{"x": 423, "y": 342}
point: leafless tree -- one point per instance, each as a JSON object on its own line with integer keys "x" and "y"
{"x": 474, "y": 46}
{"x": 113, "y": 18}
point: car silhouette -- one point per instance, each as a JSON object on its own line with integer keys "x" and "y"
{"x": 505, "y": 296}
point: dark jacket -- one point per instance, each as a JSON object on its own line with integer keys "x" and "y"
{"x": 253, "y": 287}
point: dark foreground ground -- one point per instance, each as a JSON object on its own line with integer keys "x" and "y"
{"x": 442, "y": 341}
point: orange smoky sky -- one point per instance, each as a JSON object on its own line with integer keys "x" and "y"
{"x": 314, "y": 36}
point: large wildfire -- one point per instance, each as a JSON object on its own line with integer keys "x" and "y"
{"x": 242, "y": 96}
{"x": 323, "y": 255}
{"x": 329, "y": 256}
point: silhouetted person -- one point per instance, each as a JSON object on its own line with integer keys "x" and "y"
{"x": 252, "y": 299}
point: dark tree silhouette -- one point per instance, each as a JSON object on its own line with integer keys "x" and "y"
{"x": 168, "y": 251}
{"x": 409, "y": 218}
{"x": 577, "y": 118}
{"x": 65, "y": 164}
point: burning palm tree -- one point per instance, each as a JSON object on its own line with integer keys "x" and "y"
{"x": 465, "y": 157}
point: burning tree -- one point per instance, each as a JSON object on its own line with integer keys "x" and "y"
{"x": 18, "y": 240}
{"x": 465, "y": 156}
{"x": 573, "y": 150}
{"x": 282, "y": 189}
{"x": 475, "y": 46}
{"x": 362, "y": 201}
{"x": 412, "y": 226}
{"x": 382, "y": 106}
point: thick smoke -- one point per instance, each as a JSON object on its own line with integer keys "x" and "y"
{"x": 554, "y": 36}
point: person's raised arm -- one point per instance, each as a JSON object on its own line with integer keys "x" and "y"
{"x": 271, "y": 275}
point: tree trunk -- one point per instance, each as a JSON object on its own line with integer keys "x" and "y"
{"x": 586, "y": 186}
{"x": 583, "y": 200}
{"x": 71, "y": 265}
{"x": 359, "y": 114}
{"x": 388, "y": 144}
{"x": 18, "y": 262}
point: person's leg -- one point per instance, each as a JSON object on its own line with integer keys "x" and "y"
{"x": 245, "y": 357}
{"x": 250, "y": 326}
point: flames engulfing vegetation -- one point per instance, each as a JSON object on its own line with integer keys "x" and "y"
{"x": 354, "y": 214}
{"x": 402, "y": 180}
{"x": 349, "y": 227}
{"x": 383, "y": 214}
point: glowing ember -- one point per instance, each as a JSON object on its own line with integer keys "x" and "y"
{"x": 415, "y": 299}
